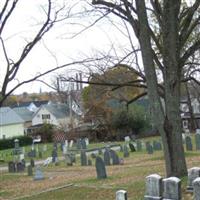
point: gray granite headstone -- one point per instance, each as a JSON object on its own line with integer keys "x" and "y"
{"x": 171, "y": 188}
{"x": 114, "y": 157}
{"x": 121, "y": 195}
{"x": 193, "y": 173}
{"x": 30, "y": 170}
{"x": 153, "y": 187}
{"x": 20, "y": 167}
{"x": 188, "y": 142}
{"x": 126, "y": 151}
{"x": 68, "y": 159}
{"x": 100, "y": 168}
{"x": 149, "y": 149}
{"x": 39, "y": 175}
{"x": 197, "y": 141}
{"x": 11, "y": 167}
{"x": 107, "y": 157}
{"x": 139, "y": 145}
{"x": 83, "y": 158}
{"x": 196, "y": 186}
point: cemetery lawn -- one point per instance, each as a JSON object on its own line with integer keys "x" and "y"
{"x": 80, "y": 183}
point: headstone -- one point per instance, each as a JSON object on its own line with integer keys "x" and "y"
{"x": 121, "y": 195}
{"x": 100, "y": 168}
{"x": 114, "y": 157}
{"x": 89, "y": 162}
{"x": 197, "y": 141}
{"x": 21, "y": 157}
{"x": 126, "y": 151}
{"x": 196, "y": 186}
{"x": 32, "y": 162}
{"x": 54, "y": 156}
{"x": 32, "y": 154}
{"x": 55, "y": 146}
{"x": 83, "y": 144}
{"x": 83, "y": 158}
{"x": 127, "y": 139}
{"x": 193, "y": 173}
{"x": 38, "y": 174}
{"x": 153, "y": 187}
{"x": 20, "y": 167}
{"x": 188, "y": 142}
{"x": 11, "y": 167}
{"x": 65, "y": 149}
{"x": 139, "y": 145}
{"x": 68, "y": 159}
{"x": 132, "y": 147}
{"x": 197, "y": 131}
{"x": 171, "y": 188}
{"x": 30, "y": 170}
{"x": 106, "y": 157}
{"x": 149, "y": 149}
{"x": 71, "y": 144}
{"x": 78, "y": 144}
{"x": 87, "y": 141}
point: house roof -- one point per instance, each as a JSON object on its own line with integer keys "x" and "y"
{"x": 58, "y": 110}
{"x": 8, "y": 116}
{"x": 24, "y": 113}
{"x": 26, "y": 104}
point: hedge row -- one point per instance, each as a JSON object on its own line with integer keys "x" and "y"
{"x": 9, "y": 143}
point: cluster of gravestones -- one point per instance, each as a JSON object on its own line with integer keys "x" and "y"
{"x": 187, "y": 140}
{"x": 155, "y": 146}
{"x": 168, "y": 188}
{"x": 18, "y": 166}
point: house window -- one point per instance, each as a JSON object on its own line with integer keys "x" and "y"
{"x": 185, "y": 124}
{"x": 47, "y": 116}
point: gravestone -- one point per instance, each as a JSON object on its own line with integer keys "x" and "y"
{"x": 89, "y": 162}
{"x": 153, "y": 187}
{"x": 139, "y": 145}
{"x": 54, "y": 156}
{"x": 83, "y": 158}
{"x": 83, "y": 144}
{"x": 126, "y": 152}
{"x": 47, "y": 161}
{"x": 149, "y": 149}
{"x": 55, "y": 146}
{"x": 21, "y": 157}
{"x": 171, "y": 188}
{"x": 121, "y": 195}
{"x": 114, "y": 157}
{"x": 71, "y": 144}
{"x": 106, "y": 157}
{"x": 196, "y": 186}
{"x": 11, "y": 167}
{"x": 32, "y": 154}
{"x": 65, "y": 149}
{"x": 132, "y": 147}
{"x": 100, "y": 168}
{"x": 68, "y": 159}
{"x": 78, "y": 144}
{"x": 197, "y": 141}
{"x": 30, "y": 170}
{"x": 193, "y": 173}
{"x": 32, "y": 162}
{"x": 20, "y": 167}
{"x": 87, "y": 141}
{"x": 39, "y": 175}
{"x": 188, "y": 142}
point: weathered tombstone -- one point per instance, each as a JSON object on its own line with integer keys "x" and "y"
{"x": 121, "y": 195}
{"x": 188, "y": 142}
{"x": 54, "y": 156}
{"x": 197, "y": 141}
{"x": 38, "y": 174}
{"x": 132, "y": 147}
{"x": 89, "y": 162}
{"x": 83, "y": 144}
{"x": 139, "y": 145}
{"x": 100, "y": 168}
{"x": 171, "y": 188}
{"x": 106, "y": 157}
{"x": 68, "y": 159}
{"x": 127, "y": 139}
{"x": 83, "y": 158}
{"x": 196, "y": 186}
{"x": 114, "y": 157}
{"x": 24, "y": 163}
{"x": 32, "y": 162}
{"x": 11, "y": 167}
{"x": 20, "y": 167}
{"x": 78, "y": 144}
{"x": 21, "y": 157}
{"x": 153, "y": 187}
{"x": 149, "y": 149}
{"x": 193, "y": 173}
{"x": 126, "y": 151}
{"x": 30, "y": 170}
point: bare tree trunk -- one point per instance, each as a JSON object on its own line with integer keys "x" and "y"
{"x": 168, "y": 123}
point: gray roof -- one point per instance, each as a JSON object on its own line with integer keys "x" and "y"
{"x": 8, "y": 116}
{"x": 24, "y": 113}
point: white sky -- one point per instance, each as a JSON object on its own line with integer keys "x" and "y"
{"x": 24, "y": 23}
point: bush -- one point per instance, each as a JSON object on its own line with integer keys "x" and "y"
{"x": 9, "y": 143}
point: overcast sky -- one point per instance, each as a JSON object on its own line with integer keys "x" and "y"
{"x": 57, "y": 47}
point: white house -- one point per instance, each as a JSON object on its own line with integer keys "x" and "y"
{"x": 11, "y": 124}
{"x": 56, "y": 114}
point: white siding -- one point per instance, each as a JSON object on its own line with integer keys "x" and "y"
{"x": 37, "y": 119}
{"x": 11, "y": 130}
